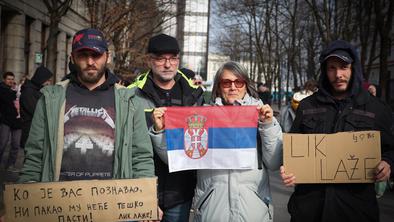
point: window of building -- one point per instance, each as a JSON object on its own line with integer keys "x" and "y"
{"x": 195, "y": 63}
{"x": 195, "y": 43}
{"x": 197, "y": 6}
{"x": 196, "y": 24}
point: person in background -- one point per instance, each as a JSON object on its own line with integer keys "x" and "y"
{"x": 340, "y": 105}
{"x": 9, "y": 122}
{"x": 87, "y": 126}
{"x": 372, "y": 89}
{"x": 197, "y": 80}
{"x": 264, "y": 93}
{"x": 288, "y": 112}
{"x": 30, "y": 93}
{"x": 311, "y": 85}
{"x": 165, "y": 85}
{"x": 233, "y": 195}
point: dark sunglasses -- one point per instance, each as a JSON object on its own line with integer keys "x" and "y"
{"x": 226, "y": 83}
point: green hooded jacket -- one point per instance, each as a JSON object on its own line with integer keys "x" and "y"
{"x": 133, "y": 155}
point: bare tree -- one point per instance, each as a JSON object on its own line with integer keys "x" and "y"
{"x": 384, "y": 18}
{"x": 128, "y": 24}
{"x": 56, "y": 10}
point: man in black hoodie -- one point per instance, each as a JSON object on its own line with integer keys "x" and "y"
{"x": 30, "y": 93}
{"x": 340, "y": 105}
{"x": 9, "y": 120}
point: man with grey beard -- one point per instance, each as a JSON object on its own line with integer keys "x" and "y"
{"x": 73, "y": 136}
{"x": 165, "y": 85}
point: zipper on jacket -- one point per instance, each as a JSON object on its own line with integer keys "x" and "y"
{"x": 269, "y": 212}
{"x": 267, "y": 200}
{"x": 205, "y": 199}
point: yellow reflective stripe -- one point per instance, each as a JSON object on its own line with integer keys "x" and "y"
{"x": 139, "y": 82}
{"x": 148, "y": 110}
{"x": 190, "y": 81}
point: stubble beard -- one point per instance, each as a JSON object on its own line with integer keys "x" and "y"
{"x": 85, "y": 77}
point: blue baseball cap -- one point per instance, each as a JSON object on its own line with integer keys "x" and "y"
{"x": 91, "y": 39}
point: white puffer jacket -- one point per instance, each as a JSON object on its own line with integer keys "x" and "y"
{"x": 236, "y": 195}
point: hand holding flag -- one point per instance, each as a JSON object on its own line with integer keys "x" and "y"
{"x": 158, "y": 118}
{"x": 265, "y": 113}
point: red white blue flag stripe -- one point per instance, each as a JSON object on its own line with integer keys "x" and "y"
{"x": 211, "y": 137}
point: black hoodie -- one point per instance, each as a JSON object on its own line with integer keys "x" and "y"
{"x": 357, "y": 75}
{"x": 30, "y": 93}
{"x": 8, "y": 112}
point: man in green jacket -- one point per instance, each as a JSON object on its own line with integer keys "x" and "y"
{"x": 88, "y": 127}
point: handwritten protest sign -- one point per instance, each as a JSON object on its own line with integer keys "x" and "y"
{"x": 347, "y": 157}
{"x": 85, "y": 200}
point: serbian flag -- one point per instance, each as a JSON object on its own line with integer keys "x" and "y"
{"x": 211, "y": 137}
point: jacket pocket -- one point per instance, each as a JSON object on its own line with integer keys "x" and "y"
{"x": 312, "y": 124}
{"x": 358, "y": 123}
{"x": 204, "y": 199}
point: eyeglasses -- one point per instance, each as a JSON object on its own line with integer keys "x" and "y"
{"x": 226, "y": 83}
{"x": 162, "y": 60}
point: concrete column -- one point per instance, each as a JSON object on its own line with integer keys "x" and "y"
{"x": 69, "y": 49}
{"x": 35, "y": 46}
{"x": 61, "y": 56}
{"x": 15, "y": 45}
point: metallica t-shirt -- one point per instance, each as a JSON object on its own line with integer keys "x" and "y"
{"x": 89, "y": 132}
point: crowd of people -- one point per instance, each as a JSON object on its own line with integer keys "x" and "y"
{"x": 90, "y": 122}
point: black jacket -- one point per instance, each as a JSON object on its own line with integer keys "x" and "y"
{"x": 178, "y": 187}
{"x": 321, "y": 113}
{"x": 30, "y": 93}
{"x": 8, "y": 112}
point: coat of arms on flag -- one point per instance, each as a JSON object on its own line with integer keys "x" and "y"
{"x": 196, "y": 137}
{"x": 211, "y": 137}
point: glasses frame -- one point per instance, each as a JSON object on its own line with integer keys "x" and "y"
{"x": 227, "y": 83}
{"x": 163, "y": 60}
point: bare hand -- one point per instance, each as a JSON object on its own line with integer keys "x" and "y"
{"x": 382, "y": 171}
{"x": 158, "y": 118}
{"x": 288, "y": 179}
{"x": 265, "y": 113}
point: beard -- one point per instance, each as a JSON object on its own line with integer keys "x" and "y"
{"x": 91, "y": 74}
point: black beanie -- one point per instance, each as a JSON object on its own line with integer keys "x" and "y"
{"x": 41, "y": 75}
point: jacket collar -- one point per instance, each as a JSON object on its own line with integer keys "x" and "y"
{"x": 190, "y": 96}
{"x": 247, "y": 100}
{"x": 361, "y": 98}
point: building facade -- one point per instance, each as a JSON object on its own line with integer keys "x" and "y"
{"x": 24, "y": 30}
{"x": 191, "y": 28}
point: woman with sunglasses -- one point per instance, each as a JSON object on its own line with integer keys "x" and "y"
{"x": 237, "y": 195}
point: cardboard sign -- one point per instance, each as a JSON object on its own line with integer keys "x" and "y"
{"x": 84, "y": 200}
{"x": 346, "y": 157}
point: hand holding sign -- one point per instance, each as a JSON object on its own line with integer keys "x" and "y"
{"x": 382, "y": 171}
{"x": 288, "y": 179}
